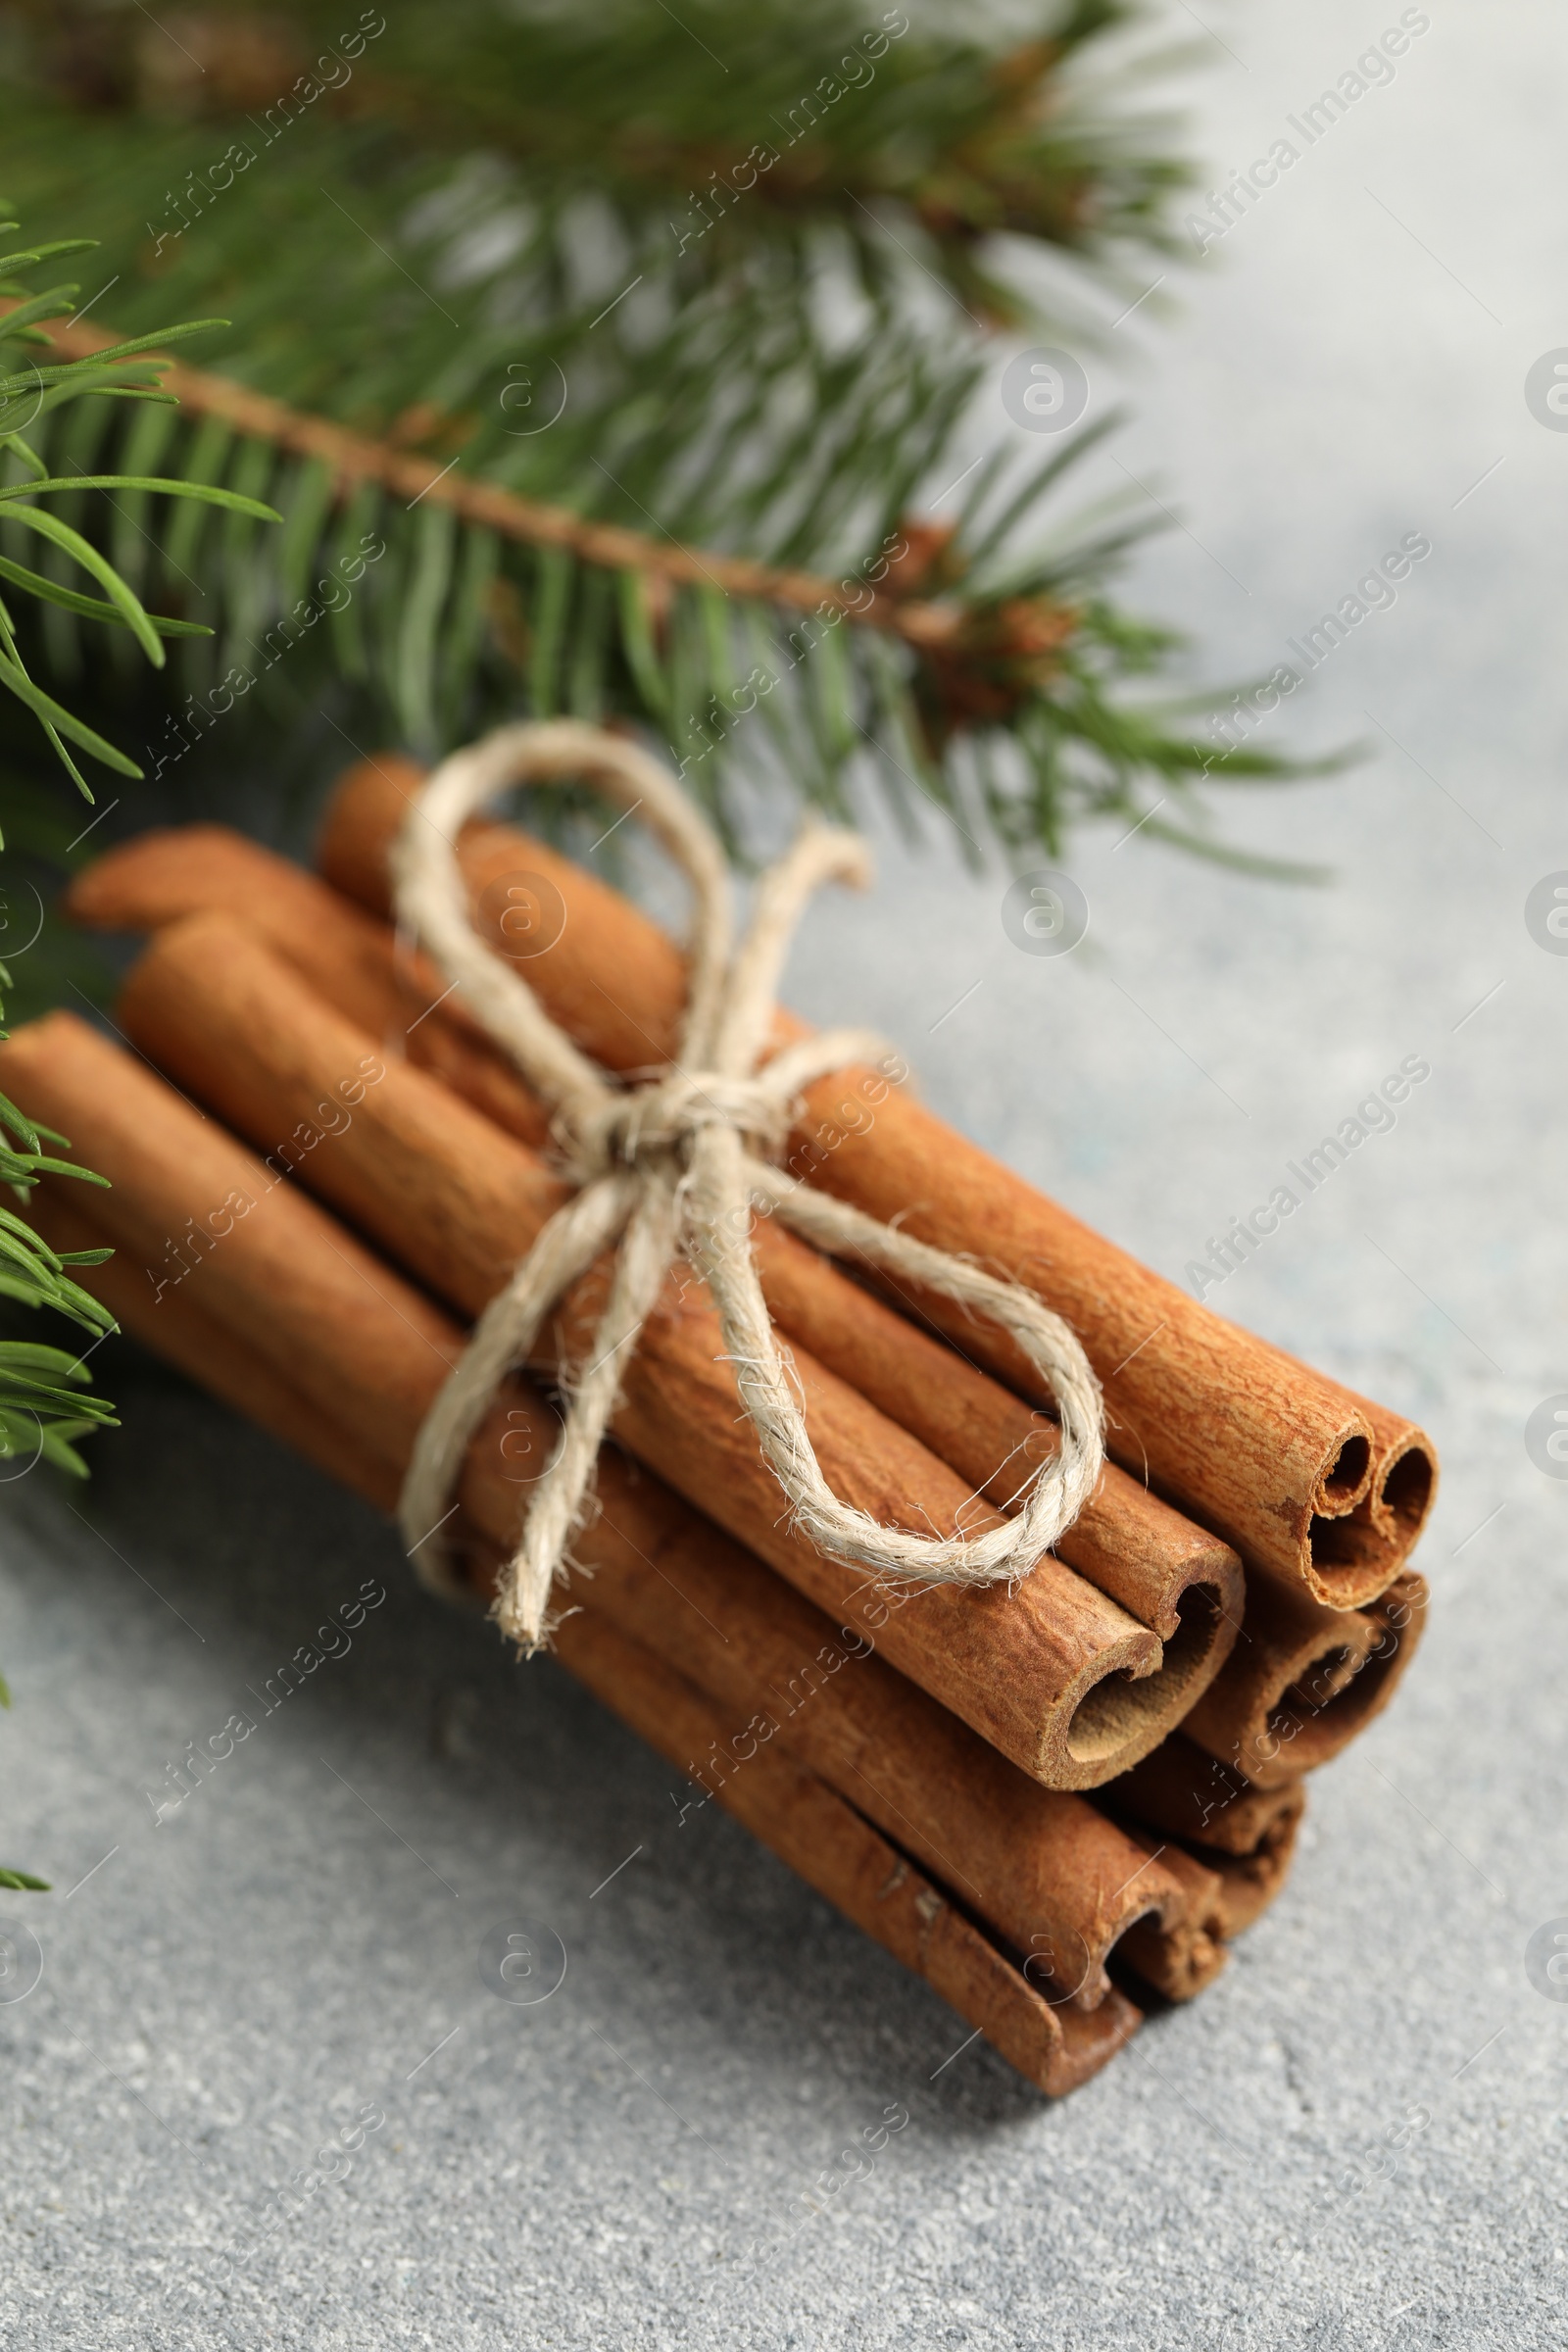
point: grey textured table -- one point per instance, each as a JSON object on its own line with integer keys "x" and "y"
{"x": 296, "y": 1944}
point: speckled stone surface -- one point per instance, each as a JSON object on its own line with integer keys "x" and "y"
{"x": 293, "y": 1951}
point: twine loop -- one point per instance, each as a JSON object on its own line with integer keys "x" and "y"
{"x": 676, "y": 1167}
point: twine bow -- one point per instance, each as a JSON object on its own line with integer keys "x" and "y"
{"x": 675, "y": 1167}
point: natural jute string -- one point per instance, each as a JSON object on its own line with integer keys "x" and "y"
{"x": 674, "y": 1168}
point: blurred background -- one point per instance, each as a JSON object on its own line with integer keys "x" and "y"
{"x": 498, "y": 243}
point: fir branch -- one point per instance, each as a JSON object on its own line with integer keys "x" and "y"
{"x": 716, "y": 471}
{"x": 986, "y": 680}
{"x": 28, "y": 396}
{"x": 45, "y": 1399}
{"x": 790, "y": 111}
{"x": 351, "y": 457}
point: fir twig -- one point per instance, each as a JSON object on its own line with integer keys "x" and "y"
{"x": 539, "y": 449}
{"x": 352, "y": 458}
{"x": 46, "y": 1405}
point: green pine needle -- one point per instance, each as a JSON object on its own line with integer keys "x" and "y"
{"x": 546, "y": 314}
{"x": 45, "y": 1401}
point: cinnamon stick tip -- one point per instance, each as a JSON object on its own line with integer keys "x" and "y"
{"x": 380, "y": 782}
{"x": 1131, "y": 1695}
{"x": 1347, "y": 1471}
{"x": 94, "y": 899}
{"x": 1405, "y": 1490}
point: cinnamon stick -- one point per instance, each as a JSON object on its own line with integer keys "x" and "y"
{"x": 828, "y": 1844}
{"x": 350, "y": 957}
{"x": 1179, "y": 1966}
{"x": 1268, "y": 1453}
{"x": 1054, "y": 2044}
{"x": 180, "y": 1331}
{"x": 1303, "y": 1680}
{"x": 367, "y": 1351}
{"x": 1244, "y": 1835}
{"x": 1249, "y": 1882}
{"x": 1403, "y": 1486}
{"x": 1041, "y": 1673}
{"x": 1127, "y": 1542}
{"x": 1191, "y": 1794}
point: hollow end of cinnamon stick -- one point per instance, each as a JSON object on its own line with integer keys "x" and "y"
{"x": 1177, "y": 1962}
{"x": 1303, "y": 1682}
{"x": 1242, "y": 1875}
{"x": 1358, "y": 1554}
{"x": 1249, "y": 1882}
{"x": 1185, "y": 1793}
{"x": 1347, "y": 1476}
{"x": 1404, "y": 1483}
{"x": 1129, "y": 1538}
{"x": 1356, "y": 1558}
{"x": 1119, "y": 1719}
{"x": 1405, "y": 1490}
{"x": 1245, "y": 1835}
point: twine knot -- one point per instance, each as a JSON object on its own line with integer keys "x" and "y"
{"x": 655, "y": 1127}
{"x": 674, "y": 1168}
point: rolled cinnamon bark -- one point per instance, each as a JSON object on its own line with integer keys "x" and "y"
{"x": 1041, "y": 1671}
{"x": 1054, "y": 2043}
{"x": 1171, "y": 1575}
{"x": 1126, "y": 1542}
{"x": 364, "y": 1352}
{"x": 350, "y": 957}
{"x": 178, "y": 1329}
{"x": 1404, "y": 1478}
{"x": 1266, "y": 1452}
{"x": 828, "y": 1844}
{"x": 1244, "y": 1835}
{"x": 1249, "y": 1882}
{"x": 1191, "y": 1794}
{"x": 1397, "y": 1502}
{"x": 1179, "y": 1965}
{"x": 1303, "y": 1680}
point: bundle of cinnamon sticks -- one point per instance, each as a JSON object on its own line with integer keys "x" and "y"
{"x": 1055, "y": 1803}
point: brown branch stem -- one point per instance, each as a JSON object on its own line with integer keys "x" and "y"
{"x": 356, "y": 458}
